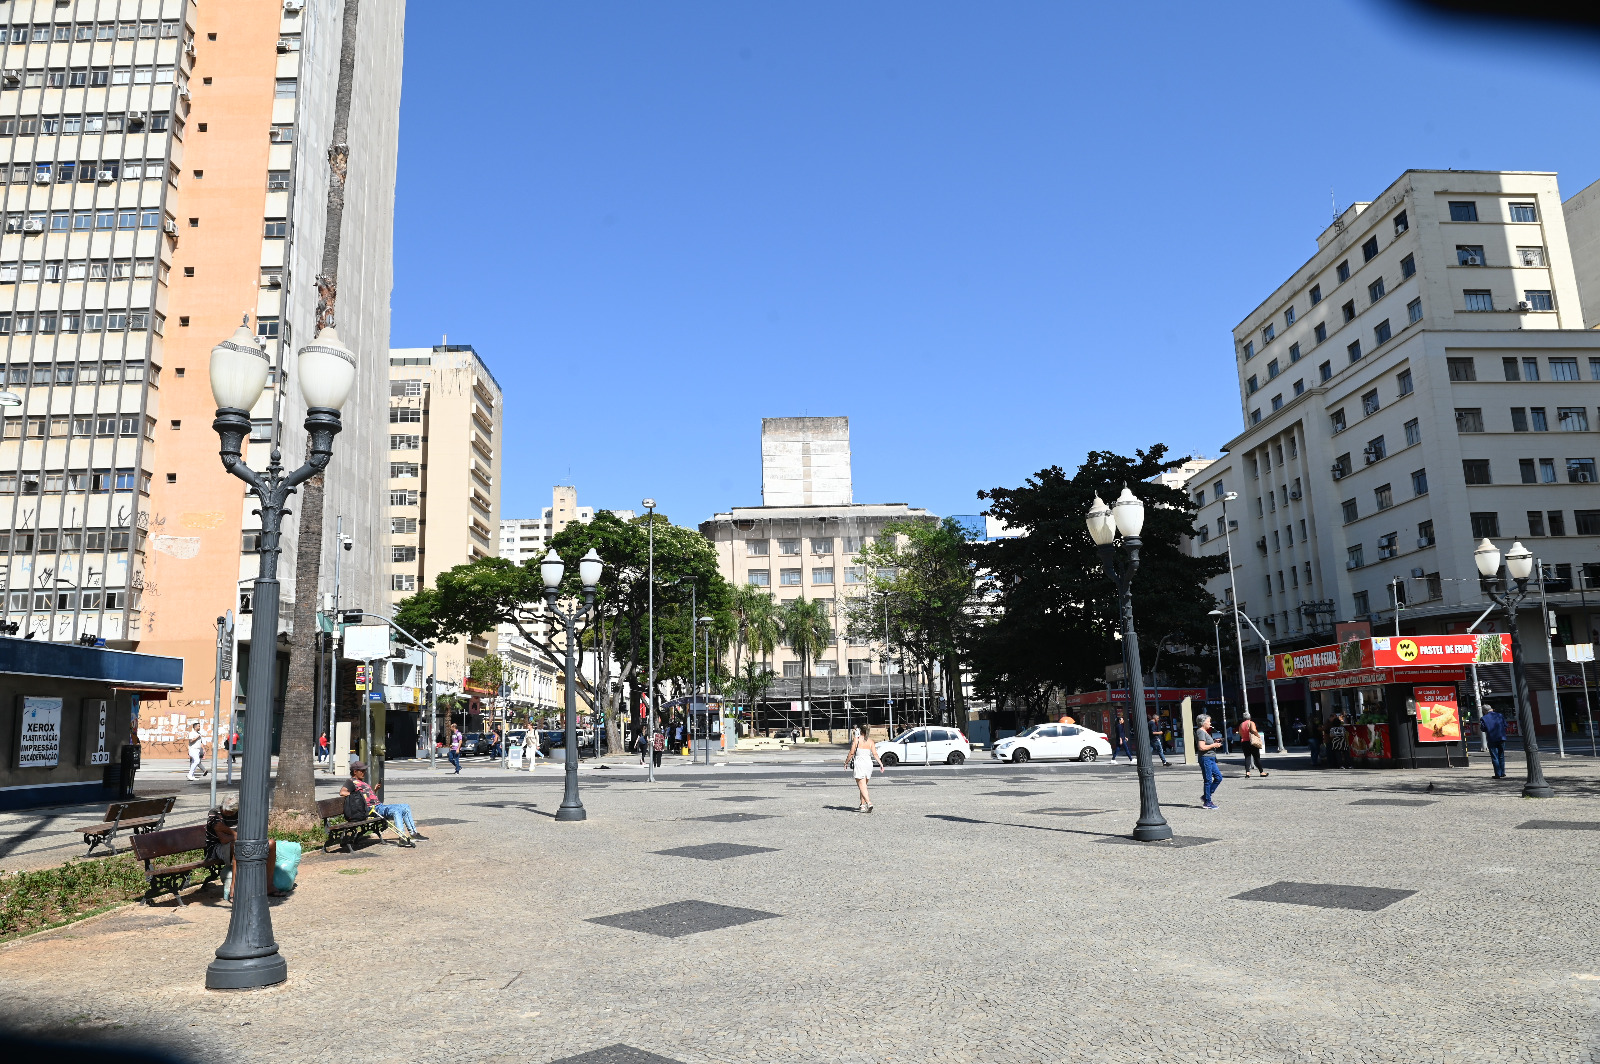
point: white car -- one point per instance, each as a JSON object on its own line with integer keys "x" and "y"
{"x": 1044, "y": 741}
{"x": 931, "y": 746}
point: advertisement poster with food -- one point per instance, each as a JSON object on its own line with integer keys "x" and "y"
{"x": 1438, "y": 716}
{"x": 1369, "y": 742}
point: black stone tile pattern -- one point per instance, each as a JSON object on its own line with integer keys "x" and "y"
{"x": 1327, "y": 895}
{"x": 680, "y": 918}
{"x": 1012, "y": 794}
{"x": 1394, "y": 801}
{"x": 1562, "y": 825}
{"x": 617, "y": 1054}
{"x": 1177, "y": 842}
{"x": 715, "y": 851}
{"x": 1064, "y": 812}
{"x": 734, "y": 818}
{"x": 743, "y": 798}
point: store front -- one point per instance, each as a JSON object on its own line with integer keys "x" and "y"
{"x": 1392, "y": 702}
{"x": 1099, "y": 709}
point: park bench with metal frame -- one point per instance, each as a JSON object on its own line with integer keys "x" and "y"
{"x": 173, "y": 879}
{"x": 137, "y": 817}
{"x": 331, "y": 809}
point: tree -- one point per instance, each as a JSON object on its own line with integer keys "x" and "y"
{"x": 1048, "y": 620}
{"x": 807, "y": 627}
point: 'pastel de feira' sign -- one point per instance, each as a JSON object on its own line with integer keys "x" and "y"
{"x": 40, "y": 745}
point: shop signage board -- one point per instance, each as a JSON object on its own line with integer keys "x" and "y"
{"x": 1438, "y": 716}
{"x": 1392, "y": 652}
{"x": 1379, "y": 677}
{"x": 40, "y": 744}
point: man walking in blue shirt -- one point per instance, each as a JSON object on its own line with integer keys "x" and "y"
{"x": 1206, "y": 744}
{"x": 1494, "y": 733}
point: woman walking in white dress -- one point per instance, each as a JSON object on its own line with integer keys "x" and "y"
{"x": 862, "y": 756}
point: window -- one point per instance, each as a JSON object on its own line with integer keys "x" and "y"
{"x": 1530, "y": 369}
{"x": 1404, "y": 382}
{"x": 789, "y": 547}
{"x": 1288, "y": 317}
{"x": 1535, "y": 522}
{"x": 1525, "y": 466}
{"x": 759, "y": 577}
{"x": 1558, "y": 524}
{"x": 1383, "y": 495}
{"x": 1299, "y": 386}
{"x": 408, "y": 388}
{"x": 1547, "y": 471}
{"x": 399, "y": 415}
{"x": 1349, "y": 309}
{"x": 404, "y": 469}
{"x": 1530, "y": 256}
{"x": 855, "y": 574}
{"x": 1463, "y": 212}
{"x": 1461, "y": 369}
{"x": 1475, "y": 470}
{"x": 1350, "y": 511}
{"x": 1251, "y": 385}
{"x": 1277, "y": 401}
{"x": 1294, "y": 352}
{"x": 1414, "y": 310}
{"x": 267, "y": 328}
{"x": 1341, "y": 466}
{"x": 1255, "y": 416}
{"x": 1361, "y": 603}
{"x": 1539, "y": 299}
{"x": 1564, "y": 369}
{"x": 755, "y": 548}
{"x": 403, "y": 497}
{"x": 1537, "y": 419}
{"x": 1388, "y": 547}
{"x": 1268, "y": 334}
{"x": 1354, "y": 351}
{"x": 405, "y": 443}
{"x": 822, "y": 546}
{"x": 1594, "y": 369}
{"x": 1249, "y": 350}
{"x": 1355, "y": 557}
{"x": 1587, "y": 523}
{"x": 283, "y": 133}
{"x": 1573, "y": 418}
{"x": 1523, "y": 212}
{"x": 286, "y": 89}
{"x": 1408, "y": 266}
{"x": 1376, "y": 450}
{"x": 1272, "y": 369}
{"x": 1375, "y": 291}
{"x": 402, "y": 582}
{"x": 1325, "y": 370}
{"x": 822, "y": 575}
{"x": 1320, "y": 331}
{"x": 402, "y": 554}
{"x": 276, "y": 228}
{"x": 1510, "y": 367}
{"x": 1343, "y": 270}
{"x": 1369, "y": 403}
{"x": 1382, "y": 333}
{"x": 1419, "y": 482}
{"x": 1485, "y": 526}
{"x": 1479, "y": 299}
{"x": 403, "y": 526}
{"x": 1400, "y": 223}
{"x": 1469, "y": 419}
{"x": 1519, "y": 419}
{"x": 1469, "y": 254}
{"x": 1580, "y": 471}
{"x": 1316, "y": 294}
{"x": 1369, "y": 250}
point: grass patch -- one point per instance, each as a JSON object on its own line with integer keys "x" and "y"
{"x": 309, "y": 839}
{"x": 49, "y": 897}
{"x": 351, "y": 871}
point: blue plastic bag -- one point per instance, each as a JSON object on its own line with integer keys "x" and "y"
{"x": 287, "y": 867}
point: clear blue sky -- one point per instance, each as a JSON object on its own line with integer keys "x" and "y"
{"x": 994, "y": 235}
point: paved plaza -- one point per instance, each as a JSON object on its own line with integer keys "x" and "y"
{"x": 986, "y": 913}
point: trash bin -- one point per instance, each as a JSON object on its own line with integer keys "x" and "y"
{"x": 129, "y": 766}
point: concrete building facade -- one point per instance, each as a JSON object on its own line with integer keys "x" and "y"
{"x": 522, "y": 538}
{"x": 167, "y": 166}
{"x": 444, "y": 422}
{"x": 1424, "y": 381}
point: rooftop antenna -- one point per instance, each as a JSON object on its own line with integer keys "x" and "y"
{"x": 1337, "y": 224}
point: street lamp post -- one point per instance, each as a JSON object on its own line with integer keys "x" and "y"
{"x": 650, "y": 694}
{"x": 551, "y": 570}
{"x": 249, "y": 956}
{"x": 1498, "y": 583}
{"x": 1266, "y": 677}
{"x": 1105, "y": 523}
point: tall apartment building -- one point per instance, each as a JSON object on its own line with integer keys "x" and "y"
{"x": 444, "y": 475}
{"x": 1424, "y": 381}
{"x": 522, "y": 538}
{"x": 166, "y": 173}
{"x": 807, "y": 549}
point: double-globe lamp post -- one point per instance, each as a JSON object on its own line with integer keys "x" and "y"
{"x": 552, "y": 569}
{"x": 249, "y": 956}
{"x": 1105, "y": 524}
{"x": 1498, "y": 583}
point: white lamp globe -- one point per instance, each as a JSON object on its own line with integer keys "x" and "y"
{"x": 1129, "y": 513}
{"x": 1487, "y": 557}
{"x": 589, "y": 567}
{"x": 1519, "y": 562}
{"x": 238, "y": 371}
{"x": 1101, "y": 528}
{"x": 327, "y": 371}
{"x": 552, "y": 569}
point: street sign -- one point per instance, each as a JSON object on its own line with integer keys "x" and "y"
{"x": 366, "y": 642}
{"x": 1580, "y": 651}
{"x": 227, "y": 645}
{"x": 352, "y": 617}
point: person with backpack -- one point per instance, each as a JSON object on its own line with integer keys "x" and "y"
{"x": 361, "y": 801}
{"x": 659, "y": 747}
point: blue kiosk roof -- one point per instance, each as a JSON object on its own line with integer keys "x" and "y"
{"x": 68, "y": 661}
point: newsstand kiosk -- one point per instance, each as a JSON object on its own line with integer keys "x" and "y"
{"x": 1392, "y": 701}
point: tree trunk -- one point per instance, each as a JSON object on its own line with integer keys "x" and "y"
{"x": 296, "y": 789}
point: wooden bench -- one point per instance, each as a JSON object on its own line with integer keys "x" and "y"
{"x": 138, "y": 816}
{"x": 172, "y": 879}
{"x": 331, "y": 809}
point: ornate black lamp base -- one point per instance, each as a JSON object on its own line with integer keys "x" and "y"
{"x": 246, "y": 973}
{"x": 1152, "y": 832}
{"x": 571, "y": 813}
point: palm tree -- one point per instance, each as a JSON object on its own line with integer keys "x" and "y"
{"x": 808, "y": 629}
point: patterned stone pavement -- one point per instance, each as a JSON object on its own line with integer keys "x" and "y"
{"x": 975, "y": 916}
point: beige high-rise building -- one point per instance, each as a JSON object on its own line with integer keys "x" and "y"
{"x": 522, "y": 538}
{"x": 444, "y": 476}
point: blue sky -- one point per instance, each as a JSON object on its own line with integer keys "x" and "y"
{"x": 996, "y": 236}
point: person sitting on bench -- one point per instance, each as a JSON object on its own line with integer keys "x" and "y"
{"x": 221, "y": 831}
{"x": 397, "y": 812}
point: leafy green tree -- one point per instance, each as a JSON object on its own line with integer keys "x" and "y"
{"x": 1048, "y": 616}
{"x": 807, "y": 626}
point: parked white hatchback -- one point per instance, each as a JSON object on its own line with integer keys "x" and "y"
{"x": 925, "y": 746}
{"x": 1042, "y": 742}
